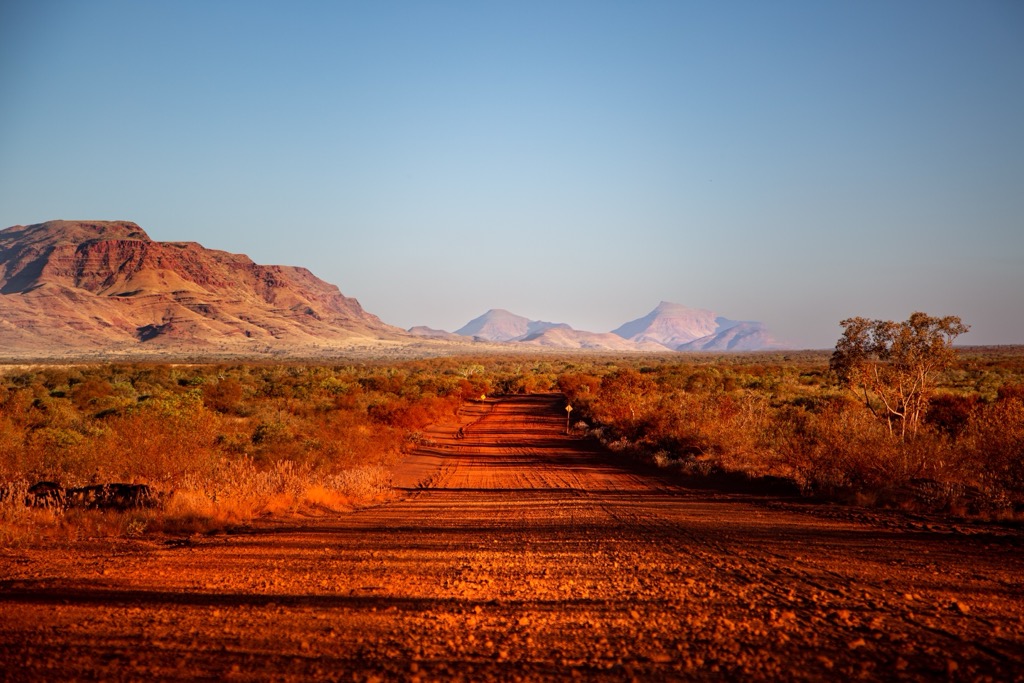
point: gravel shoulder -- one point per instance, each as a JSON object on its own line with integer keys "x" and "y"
{"x": 518, "y": 552}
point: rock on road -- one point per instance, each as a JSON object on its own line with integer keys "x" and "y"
{"x": 520, "y": 553}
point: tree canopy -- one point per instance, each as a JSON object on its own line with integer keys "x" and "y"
{"x": 893, "y": 365}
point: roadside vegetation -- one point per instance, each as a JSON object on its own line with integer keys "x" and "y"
{"x": 221, "y": 444}
{"x": 218, "y": 443}
{"x": 895, "y": 416}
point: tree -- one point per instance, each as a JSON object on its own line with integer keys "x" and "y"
{"x": 627, "y": 399}
{"x": 894, "y": 365}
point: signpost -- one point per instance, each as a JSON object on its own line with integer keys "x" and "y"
{"x": 568, "y": 411}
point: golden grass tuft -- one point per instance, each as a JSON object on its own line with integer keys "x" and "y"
{"x": 240, "y": 491}
{"x": 319, "y": 496}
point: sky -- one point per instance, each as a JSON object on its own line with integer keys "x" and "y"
{"x": 791, "y": 162}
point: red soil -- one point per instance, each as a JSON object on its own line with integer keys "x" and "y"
{"x": 521, "y": 553}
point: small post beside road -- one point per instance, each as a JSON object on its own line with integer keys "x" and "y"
{"x": 568, "y": 412}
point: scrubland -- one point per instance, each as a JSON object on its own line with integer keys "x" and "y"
{"x": 783, "y": 419}
{"x": 508, "y": 549}
{"x": 221, "y": 444}
{"x": 225, "y": 443}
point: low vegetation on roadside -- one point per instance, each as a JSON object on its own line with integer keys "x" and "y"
{"x": 895, "y": 416}
{"x": 221, "y": 444}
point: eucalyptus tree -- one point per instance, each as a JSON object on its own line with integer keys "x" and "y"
{"x": 893, "y": 366}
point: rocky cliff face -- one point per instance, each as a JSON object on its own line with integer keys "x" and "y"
{"x": 73, "y": 285}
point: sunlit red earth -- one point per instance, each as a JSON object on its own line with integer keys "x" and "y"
{"x": 521, "y": 553}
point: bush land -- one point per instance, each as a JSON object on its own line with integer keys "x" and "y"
{"x": 787, "y": 416}
{"x": 228, "y": 442}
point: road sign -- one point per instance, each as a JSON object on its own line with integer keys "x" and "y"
{"x": 568, "y": 409}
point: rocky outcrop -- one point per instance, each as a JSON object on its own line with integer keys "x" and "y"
{"x": 74, "y": 285}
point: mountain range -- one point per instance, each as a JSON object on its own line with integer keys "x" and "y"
{"x": 669, "y": 327}
{"x": 107, "y": 288}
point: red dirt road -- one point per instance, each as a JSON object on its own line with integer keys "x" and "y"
{"x": 525, "y": 554}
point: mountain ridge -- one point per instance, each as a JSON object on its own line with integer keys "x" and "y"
{"x": 500, "y": 325}
{"x": 95, "y": 287}
{"x": 681, "y": 328}
{"x": 107, "y": 284}
{"x": 668, "y": 327}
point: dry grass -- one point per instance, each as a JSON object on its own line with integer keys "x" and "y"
{"x": 790, "y": 422}
{"x": 23, "y": 525}
{"x": 239, "y": 491}
{"x": 236, "y": 493}
{"x": 20, "y": 524}
{"x": 224, "y": 444}
{"x": 227, "y": 444}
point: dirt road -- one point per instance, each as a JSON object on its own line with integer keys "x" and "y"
{"x": 526, "y": 554}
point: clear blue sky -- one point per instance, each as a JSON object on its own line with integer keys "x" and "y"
{"x": 790, "y": 162}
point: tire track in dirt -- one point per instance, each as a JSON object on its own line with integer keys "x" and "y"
{"x": 518, "y": 552}
{"x": 847, "y": 610}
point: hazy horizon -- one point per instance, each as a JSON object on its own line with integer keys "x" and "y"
{"x": 793, "y": 163}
